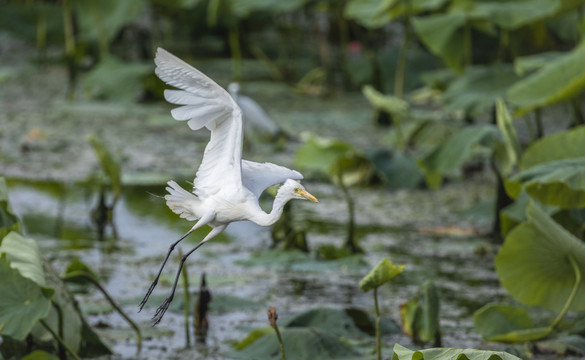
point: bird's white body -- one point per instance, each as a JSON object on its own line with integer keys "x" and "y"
{"x": 226, "y": 188}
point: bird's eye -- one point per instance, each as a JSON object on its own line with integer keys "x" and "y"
{"x": 297, "y": 190}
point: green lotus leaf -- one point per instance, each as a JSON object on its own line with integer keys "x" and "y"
{"x": 103, "y": 19}
{"x": 420, "y": 316}
{"x": 8, "y": 220}
{"x": 558, "y": 81}
{"x": 299, "y": 343}
{"x": 517, "y": 13}
{"x": 366, "y": 12}
{"x": 476, "y": 91}
{"x": 559, "y": 183}
{"x": 23, "y": 302}
{"x": 381, "y": 274}
{"x": 453, "y": 152}
{"x": 24, "y": 255}
{"x": 388, "y": 103}
{"x": 533, "y": 264}
{"x": 402, "y": 353}
{"x": 559, "y": 146}
{"x": 441, "y": 34}
{"x": 506, "y": 323}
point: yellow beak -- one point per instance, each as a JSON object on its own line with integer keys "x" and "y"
{"x": 306, "y": 195}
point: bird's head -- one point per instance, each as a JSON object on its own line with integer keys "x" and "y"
{"x": 234, "y": 88}
{"x": 295, "y": 190}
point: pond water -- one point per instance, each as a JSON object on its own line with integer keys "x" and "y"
{"x": 438, "y": 235}
{"x": 422, "y": 230}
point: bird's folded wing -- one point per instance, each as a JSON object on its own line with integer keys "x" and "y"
{"x": 259, "y": 176}
{"x": 205, "y": 103}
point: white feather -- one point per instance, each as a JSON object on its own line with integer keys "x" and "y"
{"x": 206, "y": 104}
{"x": 257, "y": 177}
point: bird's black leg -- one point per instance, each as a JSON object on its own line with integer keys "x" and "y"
{"x": 165, "y": 305}
{"x": 152, "y": 286}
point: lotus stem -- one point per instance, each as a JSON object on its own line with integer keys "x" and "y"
{"x": 571, "y": 295}
{"x": 60, "y": 330}
{"x": 402, "y": 54}
{"x": 60, "y": 340}
{"x": 378, "y": 332}
{"x": 272, "y": 317}
{"x": 96, "y": 283}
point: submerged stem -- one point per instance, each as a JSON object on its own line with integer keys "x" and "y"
{"x": 571, "y": 296}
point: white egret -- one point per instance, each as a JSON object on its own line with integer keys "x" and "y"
{"x": 226, "y": 188}
{"x": 256, "y": 120}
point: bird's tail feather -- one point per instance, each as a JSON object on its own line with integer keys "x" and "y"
{"x": 182, "y": 202}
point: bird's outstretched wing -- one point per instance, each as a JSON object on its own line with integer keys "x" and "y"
{"x": 259, "y": 176}
{"x": 205, "y": 103}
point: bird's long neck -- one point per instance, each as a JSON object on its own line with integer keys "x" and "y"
{"x": 267, "y": 219}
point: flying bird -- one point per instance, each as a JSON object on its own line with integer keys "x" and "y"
{"x": 226, "y": 187}
{"x": 256, "y": 120}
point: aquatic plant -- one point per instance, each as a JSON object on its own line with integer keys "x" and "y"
{"x": 344, "y": 165}
{"x": 378, "y": 276}
{"x": 272, "y": 317}
{"x": 109, "y": 179}
{"x": 402, "y": 353}
{"x": 420, "y": 315}
{"x": 40, "y": 308}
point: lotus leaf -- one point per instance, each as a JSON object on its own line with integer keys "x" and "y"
{"x": 559, "y": 146}
{"x": 558, "y": 81}
{"x": 24, "y": 255}
{"x": 560, "y": 183}
{"x": 533, "y": 264}
{"x": 381, "y": 274}
{"x": 299, "y": 343}
{"x": 402, "y": 353}
{"x": 506, "y": 323}
{"x": 453, "y": 152}
{"x": 23, "y": 302}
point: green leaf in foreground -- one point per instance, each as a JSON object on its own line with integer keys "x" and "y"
{"x": 22, "y": 304}
{"x": 402, "y": 353}
{"x": 559, "y": 146}
{"x": 8, "y": 221}
{"x": 506, "y": 323}
{"x": 534, "y": 267}
{"x": 24, "y": 255}
{"x": 558, "y": 183}
{"x": 381, "y": 274}
{"x": 559, "y": 80}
